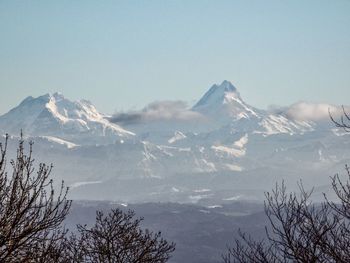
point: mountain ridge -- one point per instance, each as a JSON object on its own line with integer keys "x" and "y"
{"x": 54, "y": 115}
{"x": 236, "y": 156}
{"x": 80, "y": 121}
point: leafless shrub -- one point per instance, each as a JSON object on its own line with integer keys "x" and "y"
{"x": 117, "y": 237}
{"x": 300, "y": 231}
{"x": 30, "y": 215}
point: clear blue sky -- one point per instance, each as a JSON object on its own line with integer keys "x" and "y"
{"x": 125, "y": 54}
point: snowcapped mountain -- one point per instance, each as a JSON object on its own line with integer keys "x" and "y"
{"x": 55, "y": 116}
{"x": 224, "y": 105}
{"x": 217, "y": 115}
{"x": 221, "y": 144}
{"x": 224, "y": 101}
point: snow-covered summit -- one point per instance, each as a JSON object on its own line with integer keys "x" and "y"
{"x": 224, "y": 105}
{"x": 55, "y": 115}
{"x": 223, "y": 102}
{"x": 217, "y": 94}
{"x": 221, "y": 109}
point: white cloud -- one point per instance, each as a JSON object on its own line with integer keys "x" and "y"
{"x": 313, "y": 111}
{"x": 158, "y": 110}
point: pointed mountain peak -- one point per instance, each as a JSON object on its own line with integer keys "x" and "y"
{"x": 217, "y": 94}
{"x": 227, "y": 86}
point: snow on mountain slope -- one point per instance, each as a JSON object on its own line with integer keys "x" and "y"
{"x": 54, "y": 115}
{"x": 69, "y": 145}
{"x": 235, "y": 146}
{"x": 237, "y": 149}
{"x": 177, "y": 136}
{"x": 274, "y": 124}
{"x": 224, "y": 105}
{"x": 224, "y": 101}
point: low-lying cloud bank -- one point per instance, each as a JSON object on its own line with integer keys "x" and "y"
{"x": 179, "y": 111}
{"x": 316, "y": 112}
{"x": 158, "y": 111}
